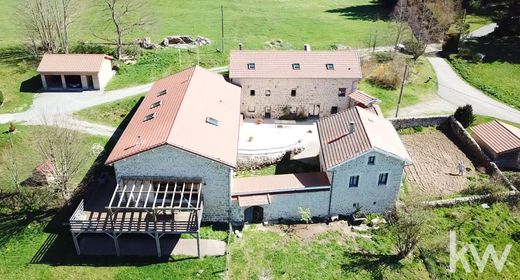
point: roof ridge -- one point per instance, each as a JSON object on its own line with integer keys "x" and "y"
{"x": 363, "y": 125}
{"x": 193, "y": 68}
{"x": 506, "y": 127}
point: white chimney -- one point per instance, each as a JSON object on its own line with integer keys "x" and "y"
{"x": 307, "y": 47}
{"x": 351, "y": 127}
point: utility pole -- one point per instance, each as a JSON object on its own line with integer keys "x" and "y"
{"x": 401, "y": 92}
{"x": 222, "y": 25}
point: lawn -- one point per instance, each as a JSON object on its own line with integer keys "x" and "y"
{"x": 333, "y": 255}
{"x": 321, "y": 24}
{"x": 498, "y": 74}
{"x": 416, "y": 90}
{"x": 110, "y": 114}
{"x": 475, "y": 21}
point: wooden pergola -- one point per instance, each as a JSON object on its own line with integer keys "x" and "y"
{"x": 152, "y": 205}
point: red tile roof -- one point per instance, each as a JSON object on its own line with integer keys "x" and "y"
{"x": 279, "y": 64}
{"x": 500, "y": 137}
{"x": 254, "y": 200}
{"x": 363, "y": 98}
{"x": 194, "y": 98}
{"x": 72, "y": 63}
{"x": 278, "y": 183}
{"x": 371, "y": 132}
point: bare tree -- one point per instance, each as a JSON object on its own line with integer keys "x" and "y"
{"x": 12, "y": 166}
{"x": 48, "y": 21}
{"x": 408, "y": 223}
{"x": 63, "y": 148}
{"x": 399, "y": 17}
{"x": 127, "y": 16}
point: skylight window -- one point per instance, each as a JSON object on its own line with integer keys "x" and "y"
{"x": 251, "y": 66}
{"x": 212, "y": 121}
{"x": 161, "y": 93}
{"x": 149, "y": 117}
{"x": 329, "y": 66}
{"x": 296, "y": 66}
{"x": 155, "y": 104}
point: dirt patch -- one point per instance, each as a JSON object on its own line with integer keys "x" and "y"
{"x": 435, "y": 158}
{"x": 307, "y": 232}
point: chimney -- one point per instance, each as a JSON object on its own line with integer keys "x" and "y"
{"x": 138, "y": 143}
{"x": 351, "y": 128}
{"x": 240, "y": 46}
{"x": 307, "y": 47}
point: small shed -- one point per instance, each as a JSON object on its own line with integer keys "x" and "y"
{"x": 500, "y": 141}
{"x": 75, "y": 71}
{"x": 43, "y": 174}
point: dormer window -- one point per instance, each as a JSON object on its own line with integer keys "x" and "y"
{"x": 329, "y": 66}
{"x": 251, "y": 66}
{"x": 148, "y": 117}
{"x": 212, "y": 121}
{"x": 161, "y": 93}
{"x": 155, "y": 104}
{"x": 296, "y": 66}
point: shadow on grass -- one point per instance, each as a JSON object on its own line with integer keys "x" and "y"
{"x": 375, "y": 264}
{"x": 363, "y": 12}
{"x": 497, "y": 48}
{"x": 31, "y": 85}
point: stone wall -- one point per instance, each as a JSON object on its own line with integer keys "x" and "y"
{"x": 369, "y": 195}
{"x": 400, "y": 123}
{"x": 477, "y": 153}
{"x": 286, "y": 206}
{"x": 276, "y": 95}
{"x": 168, "y": 161}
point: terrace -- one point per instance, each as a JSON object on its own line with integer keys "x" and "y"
{"x": 154, "y": 206}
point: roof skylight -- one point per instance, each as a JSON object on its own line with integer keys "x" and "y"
{"x": 212, "y": 121}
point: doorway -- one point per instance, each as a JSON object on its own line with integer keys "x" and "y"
{"x": 315, "y": 111}
{"x": 267, "y": 114}
{"x": 90, "y": 82}
{"x": 254, "y": 215}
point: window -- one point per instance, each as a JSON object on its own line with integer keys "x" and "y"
{"x": 149, "y": 117}
{"x": 354, "y": 182}
{"x": 371, "y": 160}
{"x": 251, "y": 66}
{"x": 329, "y": 66}
{"x": 296, "y": 66}
{"x": 212, "y": 121}
{"x": 333, "y": 110}
{"x": 374, "y": 203}
{"x": 293, "y": 92}
{"x": 356, "y": 205}
{"x": 252, "y": 92}
{"x": 251, "y": 109}
{"x": 155, "y": 104}
{"x": 267, "y": 92}
{"x": 161, "y": 93}
{"x": 342, "y": 91}
{"x": 383, "y": 179}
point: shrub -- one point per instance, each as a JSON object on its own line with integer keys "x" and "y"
{"x": 451, "y": 43}
{"x": 1, "y": 98}
{"x": 12, "y": 127}
{"x": 385, "y": 76}
{"x": 305, "y": 215}
{"x": 465, "y": 115}
{"x": 383, "y": 57}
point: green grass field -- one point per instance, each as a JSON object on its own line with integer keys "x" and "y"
{"x": 110, "y": 114}
{"x": 331, "y": 255}
{"x": 415, "y": 91}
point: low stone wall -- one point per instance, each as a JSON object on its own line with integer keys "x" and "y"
{"x": 400, "y": 123}
{"x": 474, "y": 198}
{"x": 474, "y": 149}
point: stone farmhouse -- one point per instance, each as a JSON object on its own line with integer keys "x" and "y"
{"x": 75, "y": 71}
{"x": 174, "y": 166}
{"x": 294, "y": 83}
{"x": 500, "y": 141}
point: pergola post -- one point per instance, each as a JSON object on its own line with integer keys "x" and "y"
{"x": 157, "y": 244}
{"x": 63, "y": 82}
{"x": 116, "y": 243}
{"x": 76, "y": 243}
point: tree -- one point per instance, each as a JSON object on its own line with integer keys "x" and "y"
{"x": 126, "y": 16}
{"x": 408, "y": 223}
{"x": 13, "y": 171}
{"x": 48, "y": 21}
{"x": 63, "y": 148}
{"x": 464, "y": 115}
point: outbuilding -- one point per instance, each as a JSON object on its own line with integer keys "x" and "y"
{"x": 75, "y": 71}
{"x": 500, "y": 141}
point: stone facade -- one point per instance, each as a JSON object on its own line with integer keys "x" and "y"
{"x": 172, "y": 162}
{"x": 369, "y": 196}
{"x": 313, "y": 97}
{"x": 285, "y": 206}
{"x": 400, "y": 123}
